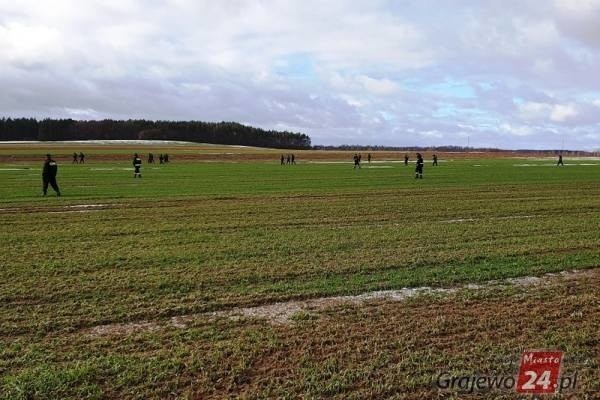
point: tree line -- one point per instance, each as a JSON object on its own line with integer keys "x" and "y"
{"x": 450, "y": 149}
{"x": 233, "y": 133}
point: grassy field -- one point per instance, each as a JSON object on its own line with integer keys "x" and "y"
{"x": 194, "y": 237}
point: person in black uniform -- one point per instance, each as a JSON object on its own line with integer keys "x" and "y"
{"x": 356, "y": 161}
{"x": 150, "y": 158}
{"x": 406, "y": 160}
{"x": 161, "y": 159}
{"x": 137, "y": 164}
{"x": 560, "y": 161}
{"x": 81, "y": 158}
{"x": 369, "y": 158}
{"x": 435, "y": 160}
{"x": 282, "y": 160}
{"x": 166, "y": 157}
{"x": 419, "y": 167}
{"x": 49, "y": 175}
{"x": 75, "y": 159}
{"x": 293, "y": 159}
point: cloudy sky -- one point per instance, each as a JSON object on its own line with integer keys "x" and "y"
{"x": 505, "y": 73}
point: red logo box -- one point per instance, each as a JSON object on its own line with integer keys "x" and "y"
{"x": 539, "y": 372}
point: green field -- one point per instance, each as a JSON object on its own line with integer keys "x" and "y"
{"x": 197, "y": 237}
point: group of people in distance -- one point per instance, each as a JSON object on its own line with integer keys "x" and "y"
{"x": 358, "y": 159}
{"x": 50, "y": 167}
{"x": 137, "y": 162}
{"x": 290, "y": 159}
{"x": 162, "y": 158}
{"x": 419, "y": 164}
{"x": 78, "y": 159}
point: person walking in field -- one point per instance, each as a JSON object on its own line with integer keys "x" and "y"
{"x": 282, "y": 160}
{"x": 435, "y": 160}
{"x": 166, "y": 156}
{"x": 419, "y": 167}
{"x": 75, "y": 159}
{"x": 49, "y": 175}
{"x": 406, "y": 160}
{"x": 81, "y": 158}
{"x": 137, "y": 164}
{"x": 356, "y": 161}
{"x": 161, "y": 159}
{"x": 293, "y": 159}
{"x": 369, "y": 158}
{"x": 288, "y": 159}
{"x": 150, "y": 158}
{"x": 560, "y": 161}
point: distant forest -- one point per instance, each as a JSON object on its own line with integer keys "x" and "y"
{"x": 450, "y": 149}
{"x": 138, "y": 129}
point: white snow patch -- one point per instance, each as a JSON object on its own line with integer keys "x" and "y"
{"x": 457, "y": 220}
{"x": 88, "y": 205}
{"x": 107, "y": 142}
{"x": 516, "y": 216}
{"x": 283, "y": 312}
{"x": 534, "y": 165}
{"x": 111, "y": 169}
{"x": 73, "y": 211}
{"x": 452, "y": 221}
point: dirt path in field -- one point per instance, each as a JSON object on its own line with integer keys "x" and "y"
{"x": 286, "y": 312}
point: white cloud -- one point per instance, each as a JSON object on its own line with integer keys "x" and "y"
{"x": 378, "y": 86}
{"x": 520, "y": 130}
{"x": 545, "y": 111}
{"x": 561, "y": 113}
{"x": 23, "y": 44}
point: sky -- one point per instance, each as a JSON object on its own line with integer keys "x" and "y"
{"x": 488, "y": 73}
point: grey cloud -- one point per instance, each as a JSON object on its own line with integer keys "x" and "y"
{"x": 184, "y": 59}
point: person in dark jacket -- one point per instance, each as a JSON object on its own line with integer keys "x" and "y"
{"x": 419, "y": 167}
{"x": 137, "y": 164}
{"x": 435, "y": 160}
{"x": 49, "y": 175}
{"x": 75, "y": 159}
{"x": 81, "y": 158}
{"x": 356, "y": 161}
{"x": 560, "y": 161}
{"x": 406, "y": 160}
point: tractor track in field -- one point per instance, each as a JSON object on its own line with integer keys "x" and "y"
{"x": 282, "y": 313}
